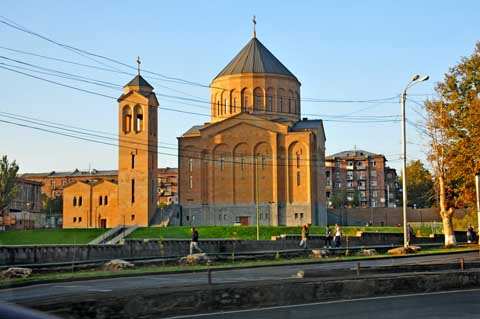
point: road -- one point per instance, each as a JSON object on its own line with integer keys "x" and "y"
{"x": 450, "y": 304}
{"x": 89, "y": 287}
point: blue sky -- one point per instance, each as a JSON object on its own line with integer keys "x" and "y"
{"x": 348, "y": 50}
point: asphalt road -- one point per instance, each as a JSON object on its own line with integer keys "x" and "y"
{"x": 25, "y": 295}
{"x": 450, "y": 304}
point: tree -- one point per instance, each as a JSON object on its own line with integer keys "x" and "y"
{"x": 339, "y": 199}
{"x": 420, "y": 185}
{"x": 8, "y": 186}
{"x": 453, "y": 128}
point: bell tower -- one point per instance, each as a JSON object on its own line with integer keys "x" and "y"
{"x": 137, "y": 152}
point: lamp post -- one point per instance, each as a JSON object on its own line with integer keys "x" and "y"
{"x": 416, "y": 79}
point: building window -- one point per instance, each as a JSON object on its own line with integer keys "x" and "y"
{"x": 80, "y": 202}
{"x": 190, "y": 165}
{"x": 374, "y": 194}
{"x": 298, "y": 160}
{"x": 75, "y": 201}
{"x": 74, "y": 219}
{"x": 138, "y": 119}
{"x": 327, "y": 174}
{"x": 258, "y": 102}
{"x": 301, "y": 215}
{"x": 337, "y": 175}
{"x": 191, "y": 182}
{"x": 269, "y": 103}
{"x": 243, "y": 163}
{"x": 133, "y": 161}
{"x": 337, "y": 164}
{"x": 264, "y": 162}
{"x": 298, "y": 178}
{"x": 226, "y": 107}
{"x": 289, "y": 105}
{"x": 105, "y": 200}
{"x": 245, "y": 106}
{"x": 373, "y": 183}
{"x": 234, "y": 104}
{"x": 222, "y": 162}
{"x": 280, "y": 104}
{"x": 100, "y": 200}
{"x": 53, "y": 184}
{"x": 296, "y": 215}
{"x": 373, "y": 163}
{"x": 79, "y": 219}
{"x": 218, "y": 108}
{"x": 133, "y": 191}
{"x": 373, "y": 173}
{"x": 64, "y": 182}
{"x": 132, "y": 217}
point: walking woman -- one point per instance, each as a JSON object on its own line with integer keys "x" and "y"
{"x": 338, "y": 236}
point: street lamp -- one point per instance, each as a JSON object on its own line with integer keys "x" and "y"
{"x": 416, "y": 79}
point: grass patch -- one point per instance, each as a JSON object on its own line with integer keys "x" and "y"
{"x": 229, "y": 265}
{"x": 49, "y": 236}
{"x": 250, "y": 232}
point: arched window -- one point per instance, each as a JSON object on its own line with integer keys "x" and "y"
{"x": 222, "y": 161}
{"x": 235, "y": 105}
{"x": 298, "y": 160}
{"x": 258, "y": 99}
{"x": 74, "y": 201}
{"x": 100, "y": 200}
{"x": 105, "y": 200}
{"x": 80, "y": 201}
{"x": 218, "y": 108}
{"x": 127, "y": 119}
{"x": 138, "y": 118}
{"x": 226, "y": 107}
{"x": 74, "y": 219}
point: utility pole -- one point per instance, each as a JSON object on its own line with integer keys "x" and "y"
{"x": 416, "y": 79}
{"x": 477, "y": 186}
{"x": 256, "y": 190}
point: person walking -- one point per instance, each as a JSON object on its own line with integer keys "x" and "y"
{"x": 305, "y": 231}
{"x": 194, "y": 241}
{"x": 470, "y": 233}
{"x": 328, "y": 237}
{"x": 410, "y": 234}
{"x": 338, "y": 236}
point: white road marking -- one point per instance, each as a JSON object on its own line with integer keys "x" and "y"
{"x": 326, "y": 303}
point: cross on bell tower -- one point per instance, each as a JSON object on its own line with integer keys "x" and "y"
{"x": 254, "y": 27}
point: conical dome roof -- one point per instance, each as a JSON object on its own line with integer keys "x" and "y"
{"x": 255, "y": 58}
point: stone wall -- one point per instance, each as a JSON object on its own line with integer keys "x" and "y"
{"x": 389, "y": 216}
{"x": 32, "y": 254}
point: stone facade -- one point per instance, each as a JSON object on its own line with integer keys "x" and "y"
{"x": 256, "y": 158}
{"x": 132, "y": 200}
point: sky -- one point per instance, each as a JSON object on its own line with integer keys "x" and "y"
{"x": 339, "y": 50}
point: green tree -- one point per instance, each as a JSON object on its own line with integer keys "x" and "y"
{"x": 52, "y": 206}
{"x": 8, "y": 186}
{"x": 339, "y": 199}
{"x": 420, "y": 185}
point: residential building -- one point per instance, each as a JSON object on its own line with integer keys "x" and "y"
{"x": 25, "y": 208}
{"x": 363, "y": 175}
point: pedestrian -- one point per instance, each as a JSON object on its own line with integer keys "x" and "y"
{"x": 194, "y": 242}
{"x": 328, "y": 237}
{"x": 470, "y": 233}
{"x": 305, "y": 231}
{"x": 410, "y": 234}
{"x": 338, "y": 236}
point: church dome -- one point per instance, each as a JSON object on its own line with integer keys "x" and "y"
{"x": 255, "y": 58}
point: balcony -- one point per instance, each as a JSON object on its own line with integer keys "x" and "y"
{"x": 361, "y": 187}
{"x": 350, "y": 167}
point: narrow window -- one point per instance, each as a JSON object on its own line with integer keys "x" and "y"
{"x": 75, "y": 201}
{"x": 222, "y": 162}
{"x": 79, "y": 219}
{"x": 258, "y": 101}
{"x": 269, "y": 103}
{"x": 289, "y": 105}
{"x": 132, "y": 217}
{"x": 74, "y": 219}
{"x": 100, "y": 200}
{"x": 53, "y": 184}
{"x": 296, "y": 215}
{"x": 80, "y": 201}
{"x": 301, "y": 215}
{"x": 243, "y": 163}
{"x": 191, "y": 181}
{"x": 245, "y": 107}
{"x": 264, "y": 162}
{"x": 190, "y": 165}
{"x": 105, "y": 200}
{"x": 298, "y": 178}
{"x": 280, "y": 104}
{"x": 218, "y": 108}
{"x": 133, "y": 191}
{"x": 133, "y": 161}
{"x": 235, "y": 105}
{"x": 226, "y": 107}
{"x": 298, "y": 160}
{"x": 138, "y": 119}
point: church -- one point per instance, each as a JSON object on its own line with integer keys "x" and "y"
{"x": 133, "y": 199}
{"x": 256, "y": 161}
